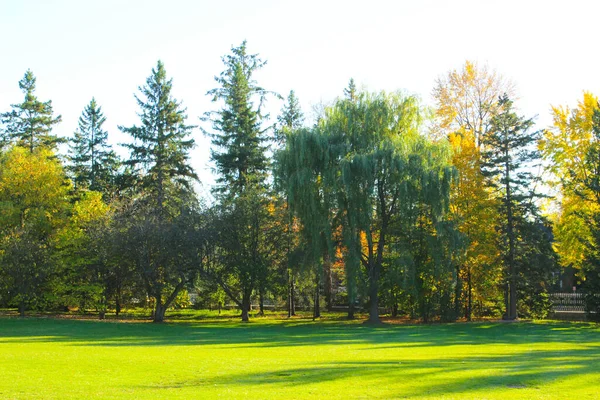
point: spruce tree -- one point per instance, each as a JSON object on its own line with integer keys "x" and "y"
{"x": 508, "y": 158}
{"x": 350, "y": 92}
{"x": 239, "y": 145}
{"x": 30, "y": 123}
{"x": 290, "y": 119}
{"x": 239, "y": 140}
{"x": 160, "y": 150}
{"x": 160, "y": 225}
{"x": 93, "y": 162}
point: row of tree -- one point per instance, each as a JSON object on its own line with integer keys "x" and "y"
{"x": 377, "y": 204}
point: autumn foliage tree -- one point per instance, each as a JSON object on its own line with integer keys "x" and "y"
{"x": 34, "y": 206}
{"x": 466, "y": 102}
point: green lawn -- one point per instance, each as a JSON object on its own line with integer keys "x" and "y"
{"x": 45, "y": 358}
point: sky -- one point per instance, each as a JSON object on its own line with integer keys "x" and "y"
{"x": 106, "y": 49}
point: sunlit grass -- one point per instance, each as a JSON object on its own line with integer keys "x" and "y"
{"x": 274, "y": 358}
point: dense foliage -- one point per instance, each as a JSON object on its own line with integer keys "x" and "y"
{"x": 378, "y": 204}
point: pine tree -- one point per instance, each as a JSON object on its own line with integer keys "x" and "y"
{"x": 160, "y": 151}
{"x": 507, "y": 163}
{"x": 30, "y": 123}
{"x": 93, "y": 162}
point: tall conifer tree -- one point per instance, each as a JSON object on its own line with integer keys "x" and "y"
{"x": 160, "y": 151}
{"x": 30, "y": 123}
{"x": 93, "y": 162}
{"x": 240, "y": 142}
{"x": 510, "y": 150}
{"x": 164, "y": 221}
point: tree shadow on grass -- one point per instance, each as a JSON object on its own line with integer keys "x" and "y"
{"x": 446, "y": 376}
{"x": 293, "y": 333}
{"x": 517, "y": 365}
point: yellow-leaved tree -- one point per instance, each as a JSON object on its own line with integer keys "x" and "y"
{"x": 34, "y": 205}
{"x": 564, "y": 147}
{"x": 466, "y": 100}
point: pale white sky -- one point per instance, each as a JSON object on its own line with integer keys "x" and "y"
{"x": 106, "y": 49}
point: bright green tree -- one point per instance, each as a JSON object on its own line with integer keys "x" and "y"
{"x": 360, "y": 166}
{"x": 30, "y": 123}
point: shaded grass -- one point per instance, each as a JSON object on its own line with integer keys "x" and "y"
{"x": 271, "y": 358}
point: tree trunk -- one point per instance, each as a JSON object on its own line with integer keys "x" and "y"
{"x": 512, "y": 278}
{"x": 246, "y": 305}
{"x": 470, "y": 296}
{"x": 513, "y": 296}
{"x": 289, "y": 294}
{"x": 395, "y": 309}
{"x": 328, "y": 282}
{"x": 506, "y": 302}
{"x": 118, "y": 302}
{"x": 261, "y": 302}
{"x": 159, "y": 311}
{"x": 102, "y": 315}
{"x": 350, "y": 290}
{"x": 22, "y": 308}
{"x": 293, "y": 296}
{"x": 457, "y": 294}
{"x": 374, "y": 295}
{"x": 317, "y": 305}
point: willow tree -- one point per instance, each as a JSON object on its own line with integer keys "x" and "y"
{"x": 290, "y": 119}
{"x": 306, "y": 169}
{"x": 358, "y": 166}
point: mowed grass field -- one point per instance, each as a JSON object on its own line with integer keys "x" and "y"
{"x": 47, "y": 358}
